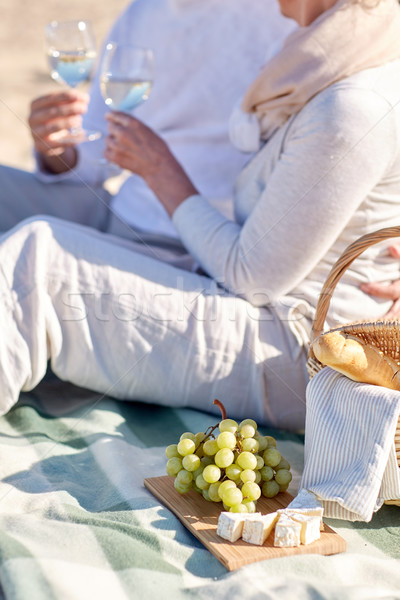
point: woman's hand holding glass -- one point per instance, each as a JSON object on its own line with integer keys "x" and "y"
{"x": 126, "y": 77}
{"x": 132, "y": 145}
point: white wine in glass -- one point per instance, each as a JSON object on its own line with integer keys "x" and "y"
{"x": 126, "y": 76}
{"x": 71, "y": 52}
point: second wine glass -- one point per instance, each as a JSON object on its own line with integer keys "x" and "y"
{"x": 126, "y": 76}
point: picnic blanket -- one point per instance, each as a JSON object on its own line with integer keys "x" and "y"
{"x": 76, "y": 521}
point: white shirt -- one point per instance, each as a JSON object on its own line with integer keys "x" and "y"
{"x": 206, "y": 54}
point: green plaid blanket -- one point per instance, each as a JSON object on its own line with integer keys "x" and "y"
{"x": 76, "y": 521}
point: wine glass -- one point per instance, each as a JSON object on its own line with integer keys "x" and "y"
{"x": 71, "y": 52}
{"x": 126, "y": 78}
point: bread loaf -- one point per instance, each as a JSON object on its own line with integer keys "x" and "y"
{"x": 360, "y": 362}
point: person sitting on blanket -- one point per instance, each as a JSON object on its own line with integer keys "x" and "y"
{"x": 230, "y": 319}
{"x": 203, "y": 49}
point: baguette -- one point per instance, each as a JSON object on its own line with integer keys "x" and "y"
{"x": 360, "y": 362}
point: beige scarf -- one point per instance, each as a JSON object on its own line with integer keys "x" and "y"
{"x": 349, "y": 37}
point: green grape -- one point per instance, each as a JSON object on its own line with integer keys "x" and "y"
{"x": 246, "y": 460}
{"x": 202, "y": 483}
{"x": 224, "y": 486}
{"x": 171, "y": 451}
{"x": 196, "y": 489}
{"x": 206, "y": 460}
{"x": 199, "y": 437}
{"x": 213, "y": 491}
{"x": 250, "y": 505}
{"x": 232, "y": 496}
{"x": 251, "y": 490}
{"x": 258, "y": 477}
{"x": 260, "y": 462}
{"x": 271, "y": 441}
{"x": 283, "y": 465}
{"x": 272, "y": 457}
{"x": 283, "y": 488}
{"x": 184, "y": 477}
{"x": 186, "y": 446}
{"x": 262, "y": 442}
{"x": 233, "y": 472}
{"x": 247, "y": 475}
{"x": 270, "y": 489}
{"x": 224, "y": 458}
{"x": 188, "y": 435}
{"x": 247, "y": 431}
{"x": 283, "y": 477}
{"x": 206, "y": 495}
{"x": 238, "y": 508}
{"x": 248, "y": 422}
{"x": 226, "y": 439}
{"x": 228, "y": 425}
{"x": 250, "y": 445}
{"x": 181, "y": 487}
{"x": 191, "y": 462}
{"x": 199, "y": 451}
{"x": 266, "y": 473}
{"x": 211, "y": 473}
{"x": 210, "y": 447}
{"x": 174, "y": 465}
{"x": 197, "y": 471}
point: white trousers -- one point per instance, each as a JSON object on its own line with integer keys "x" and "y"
{"x": 128, "y": 319}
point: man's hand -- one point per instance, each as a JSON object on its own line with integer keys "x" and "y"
{"x": 50, "y": 119}
{"x": 387, "y": 291}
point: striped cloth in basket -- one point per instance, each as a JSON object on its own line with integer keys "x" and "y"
{"x": 350, "y": 457}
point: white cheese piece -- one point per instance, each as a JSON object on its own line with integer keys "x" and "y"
{"x": 307, "y": 512}
{"x": 310, "y": 527}
{"x": 287, "y": 532}
{"x": 257, "y": 529}
{"x": 307, "y": 503}
{"x": 230, "y": 525}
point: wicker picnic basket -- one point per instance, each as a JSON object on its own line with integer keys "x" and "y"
{"x": 384, "y": 335}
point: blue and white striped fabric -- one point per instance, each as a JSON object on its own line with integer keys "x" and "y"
{"x": 350, "y": 457}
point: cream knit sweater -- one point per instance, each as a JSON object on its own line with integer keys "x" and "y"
{"x": 327, "y": 176}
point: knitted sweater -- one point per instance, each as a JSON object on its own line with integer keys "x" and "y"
{"x": 329, "y": 175}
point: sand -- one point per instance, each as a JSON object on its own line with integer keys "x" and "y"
{"x": 23, "y": 65}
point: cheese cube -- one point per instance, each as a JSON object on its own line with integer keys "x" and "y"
{"x": 257, "y": 529}
{"x": 230, "y": 525}
{"x": 310, "y": 527}
{"x": 306, "y": 512}
{"x": 287, "y": 532}
{"x": 306, "y": 503}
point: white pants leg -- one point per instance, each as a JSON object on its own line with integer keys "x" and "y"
{"x": 127, "y": 325}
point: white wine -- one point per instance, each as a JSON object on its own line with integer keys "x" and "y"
{"x": 124, "y": 93}
{"x": 71, "y": 67}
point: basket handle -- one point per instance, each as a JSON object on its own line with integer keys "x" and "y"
{"x": 349, "y": 255}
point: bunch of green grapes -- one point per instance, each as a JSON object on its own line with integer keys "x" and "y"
{"x": 235, "y": 465}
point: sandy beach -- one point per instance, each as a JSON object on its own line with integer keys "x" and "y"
{"x": 23, "y": 63}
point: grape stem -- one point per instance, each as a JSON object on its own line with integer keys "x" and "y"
{"x": 221, "y": 408}
{"x": 209, "y": 432}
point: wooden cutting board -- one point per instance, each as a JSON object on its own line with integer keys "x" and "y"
{"x": 201, "y": 518}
